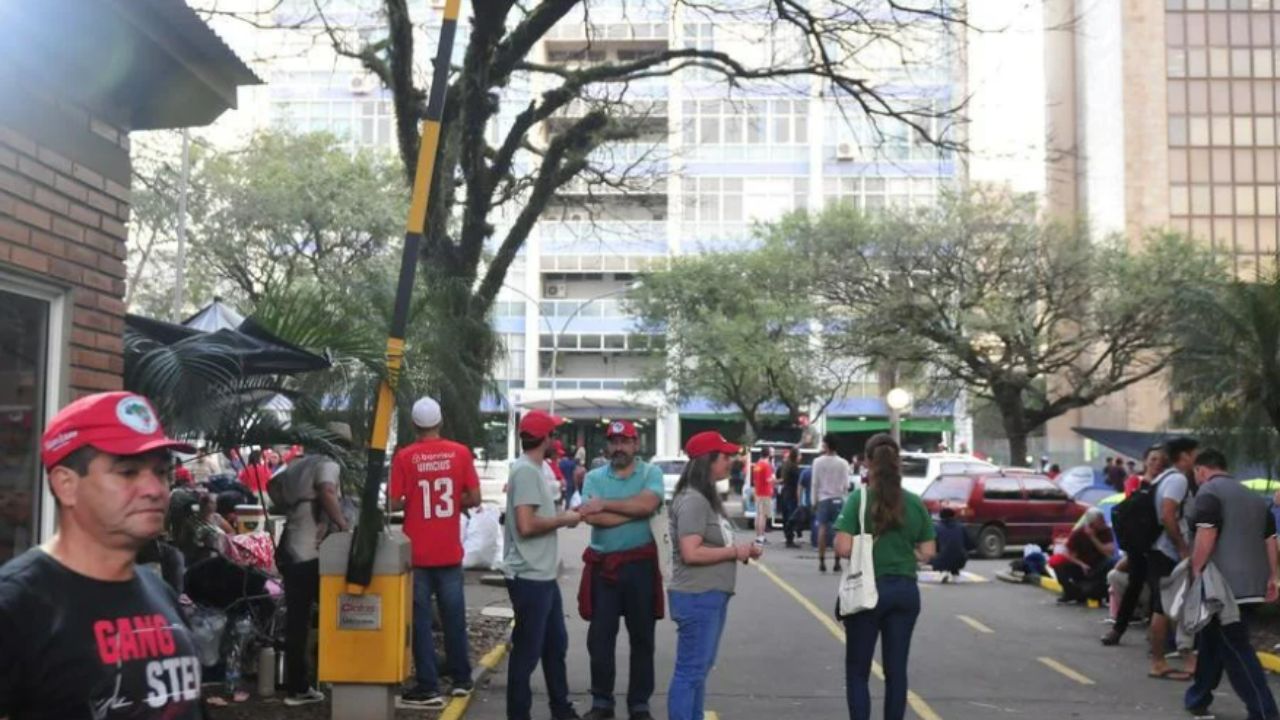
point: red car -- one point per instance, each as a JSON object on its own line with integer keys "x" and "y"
{"x": 1010, "y": 507}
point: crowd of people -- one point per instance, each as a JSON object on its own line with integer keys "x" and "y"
{"x": 1198, "y": 548}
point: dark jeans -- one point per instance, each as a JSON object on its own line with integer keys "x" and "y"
{"x": 301, "y": 590}
{"x": 630, "y": 600}
{"x": 894, "y": 619}
{"x": 539, "y": 634}
{"x": 1226, "y": 647}
{"x": 788, "y": 507}
{"x": 1079, "y": 584}
{"x": 446, "y": 584}
{"x": 699, "y": 621}
{"x": 1132, "y": 593}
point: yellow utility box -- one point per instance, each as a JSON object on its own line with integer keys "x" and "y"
{"x": 366, "y": 634}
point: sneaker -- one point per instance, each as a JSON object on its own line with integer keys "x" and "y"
{"x": 836, "y": 568}
{"x": 642, "y": 715}
{"x": 822, "y": 567}
{"x": 599, "y": 714}
{"x": 1200, "y": 713}
{"x": 462, "y": 689}
{"x": 570, "y": 715}
{"x": 760, "y": 540}
{"x": 1111, "y": 638}
{"x": 426, "y": 699}
{"x": 312, "y": 695}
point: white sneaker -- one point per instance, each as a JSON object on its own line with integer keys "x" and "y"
{"x": 312, "y": 695}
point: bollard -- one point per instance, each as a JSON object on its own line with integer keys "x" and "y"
{"x": 365, "y": 633}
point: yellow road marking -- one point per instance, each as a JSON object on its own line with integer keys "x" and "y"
{"x": 975, "y": 624}
{"x": 457, "y": 707}
{"x": 1054, "y": 664}
{"x": 710, "y": 715}
{"x": 917, "y": 703}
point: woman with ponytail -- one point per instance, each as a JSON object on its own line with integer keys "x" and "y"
{"x": 703, "y": 572}
{"x": 903, "y": 538}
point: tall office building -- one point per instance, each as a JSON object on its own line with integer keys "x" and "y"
{"x": 712, "y": 160}
{"x": 1162, "y": 113}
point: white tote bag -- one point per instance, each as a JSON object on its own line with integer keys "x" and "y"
{"x": 858, "y": 586}
{"x": 660, "y": 527}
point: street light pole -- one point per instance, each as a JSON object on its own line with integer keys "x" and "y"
{"x": 555, "y": 337}
{"x": 898, "y": 400}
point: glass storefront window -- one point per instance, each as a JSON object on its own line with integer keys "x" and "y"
{"x": 24, "y": 326}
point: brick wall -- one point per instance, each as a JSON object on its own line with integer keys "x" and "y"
{"x": 65, "y": 223}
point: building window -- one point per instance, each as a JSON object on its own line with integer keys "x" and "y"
{"x": 27, "y": 316}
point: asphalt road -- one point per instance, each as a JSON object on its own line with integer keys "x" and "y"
{"x": 982, "y": 649}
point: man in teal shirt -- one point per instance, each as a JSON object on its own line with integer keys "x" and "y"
{"x": 621, "y": 580}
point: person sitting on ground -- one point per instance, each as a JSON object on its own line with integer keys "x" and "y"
{"x": 1089, "y": 558}
{"x": 954, "y": 545}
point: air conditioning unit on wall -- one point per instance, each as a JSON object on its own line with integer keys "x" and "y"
{"x": 361, "y": 84}
{"x": 555, "y": 290}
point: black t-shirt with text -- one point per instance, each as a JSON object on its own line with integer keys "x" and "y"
{"x": 73, "y": 647}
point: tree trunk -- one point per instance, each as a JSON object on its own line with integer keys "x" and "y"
{"x": 1014, "y": 418}
{"x": 1018, "y": 449}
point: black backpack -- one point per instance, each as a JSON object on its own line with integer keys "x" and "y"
{"x": 1136, "y": 521}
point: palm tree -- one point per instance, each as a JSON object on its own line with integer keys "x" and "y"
{"x": 1226, "y": 377}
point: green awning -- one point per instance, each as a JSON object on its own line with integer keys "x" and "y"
{"x": 932, "y": 425}
{"x": 852, "y": 425}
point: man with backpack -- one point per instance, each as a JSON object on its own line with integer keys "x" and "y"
{"x": 1135, "y": 533}
{"x": 308, "y": 494}
{"x": 1170, "y": 492}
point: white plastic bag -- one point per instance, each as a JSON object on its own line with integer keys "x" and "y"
{"x": 482, "y": 540}
{"x": 858, "y": 591}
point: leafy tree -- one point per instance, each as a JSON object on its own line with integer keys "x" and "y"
{"x": 293, "y": 207}
{"x": 1031, "y": 315}
{"x": 524, "y": 138}
{"x": 739, "y": 331}
{"x": 1226, "y": 378}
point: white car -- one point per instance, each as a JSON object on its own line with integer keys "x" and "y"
{"x": 672, "y": 468}
{"x": 919, "y": 470}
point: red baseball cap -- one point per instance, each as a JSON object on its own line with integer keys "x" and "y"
{"x": 539, "y": 424}
{"x": 709, "y": 442}
{"x": 117, "y": 423}
{"x": 625, "y": 428}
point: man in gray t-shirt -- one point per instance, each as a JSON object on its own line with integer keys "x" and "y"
{"x": 530, "y": 559}
{"x": 830, "y": 486}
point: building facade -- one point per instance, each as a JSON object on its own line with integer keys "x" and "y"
{"x": 1163, "y": 114}
{"x": 65, "y": 119}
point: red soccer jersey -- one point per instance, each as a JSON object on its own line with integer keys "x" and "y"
{"x": 430, "y": 477}
{"x": 762, "y": 478}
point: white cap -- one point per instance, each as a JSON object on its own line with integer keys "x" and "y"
{"x": 426, "y": 413}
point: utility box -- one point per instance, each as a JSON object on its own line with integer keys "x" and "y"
{"x": 365, "y": 634}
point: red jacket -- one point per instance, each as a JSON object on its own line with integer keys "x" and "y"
{"x": 608, "y": 564}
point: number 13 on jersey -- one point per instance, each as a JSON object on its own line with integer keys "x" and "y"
{"x": 442, "y": 489}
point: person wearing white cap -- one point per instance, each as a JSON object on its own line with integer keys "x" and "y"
{"x": 433, "y": 480}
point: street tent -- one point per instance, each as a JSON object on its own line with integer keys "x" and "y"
{"x": 222, "y": 333}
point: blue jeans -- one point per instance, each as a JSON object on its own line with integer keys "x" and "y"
{"x": 699, "y": 622}
{"x": 894, "y": 619}
{"x": 1226, "y": 647}
{"x": 628, "y": 600}
{"x": 446, "y": 584}
{"x": 539, "y": 635}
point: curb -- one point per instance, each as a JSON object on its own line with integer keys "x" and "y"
{"x": 1270, "y": 661}
{"x": 457, "y": 707}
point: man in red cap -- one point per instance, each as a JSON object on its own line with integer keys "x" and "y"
{"x": 620, "y": 576}
{"x": 84, "y": 633}
{"x": 531, "y": 558}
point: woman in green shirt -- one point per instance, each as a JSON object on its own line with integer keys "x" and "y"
{"x": 904, "y": 538}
